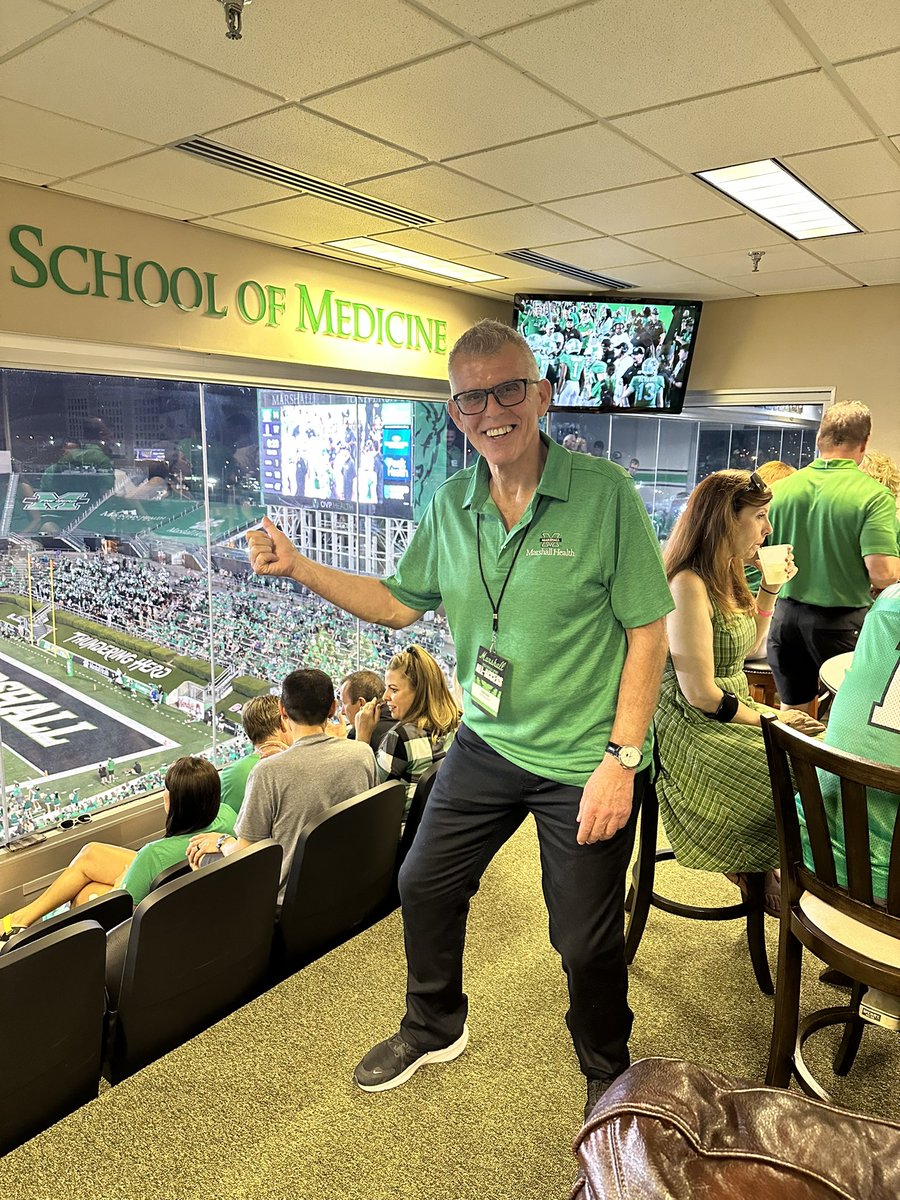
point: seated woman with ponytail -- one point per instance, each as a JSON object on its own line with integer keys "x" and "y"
{"x": 427, "y": 717}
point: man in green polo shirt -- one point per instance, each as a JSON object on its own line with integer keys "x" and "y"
{"x": 842, "y": 526}
{"x": 554, "y": 591}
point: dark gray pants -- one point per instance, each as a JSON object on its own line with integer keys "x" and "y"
{"x": 478, "y": 801}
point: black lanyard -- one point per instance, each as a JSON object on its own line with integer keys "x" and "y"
{"x": 495, "y": 606}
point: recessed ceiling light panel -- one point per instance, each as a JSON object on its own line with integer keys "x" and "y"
{"x": 772, "y": 192}
{"x": 400, "y": 257}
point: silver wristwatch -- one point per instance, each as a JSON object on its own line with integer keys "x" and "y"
{"x": 629, "y": 757}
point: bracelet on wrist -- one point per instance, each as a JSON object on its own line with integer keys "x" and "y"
{"x": 769, "y": 591}
{"x": 761, "y": 613}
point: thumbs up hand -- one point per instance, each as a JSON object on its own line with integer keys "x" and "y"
{"x": 270, "y": 551}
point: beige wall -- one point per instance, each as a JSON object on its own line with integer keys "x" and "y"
{"x": 76, "y": 228}
{"x": 847, "y": 339}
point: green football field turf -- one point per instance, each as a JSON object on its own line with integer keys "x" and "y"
{"x": 189, "y": 736}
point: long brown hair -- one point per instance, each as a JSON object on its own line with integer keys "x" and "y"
{"x": 433, "y": 708}
{"x": 703, "y": 538}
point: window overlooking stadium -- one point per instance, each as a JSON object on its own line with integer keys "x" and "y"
{"x": 131, "y": 630}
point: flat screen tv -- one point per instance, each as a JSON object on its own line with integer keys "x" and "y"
{"x": 332, "y": 452}
{"x": 611, "y": 353}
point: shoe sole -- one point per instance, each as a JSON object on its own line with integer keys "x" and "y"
{"x": 454, "y": 1050}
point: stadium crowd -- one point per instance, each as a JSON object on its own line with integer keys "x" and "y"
{"x": 262, "y": 628}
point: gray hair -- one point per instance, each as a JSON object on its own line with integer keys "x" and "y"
{"x": 487, "y": 338}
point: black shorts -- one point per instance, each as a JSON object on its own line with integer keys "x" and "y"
{"x": 801, "y": 638}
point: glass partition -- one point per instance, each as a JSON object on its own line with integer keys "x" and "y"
{"x": 131, "y": 629}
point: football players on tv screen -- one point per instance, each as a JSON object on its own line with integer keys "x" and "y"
{"x": 611, "y": 353}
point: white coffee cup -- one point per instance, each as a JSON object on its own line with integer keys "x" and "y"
{"x": 773, "y": 561}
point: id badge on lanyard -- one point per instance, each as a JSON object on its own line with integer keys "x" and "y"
{"x": 491, "y": 668}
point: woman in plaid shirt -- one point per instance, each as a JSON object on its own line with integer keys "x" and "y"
{"x": 427, "y": 717}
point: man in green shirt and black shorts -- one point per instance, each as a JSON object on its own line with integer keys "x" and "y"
{"x": 842, "y": 526}
{"x": 552, "y": 582}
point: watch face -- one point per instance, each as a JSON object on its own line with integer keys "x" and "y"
{"x": 629, "y": 756}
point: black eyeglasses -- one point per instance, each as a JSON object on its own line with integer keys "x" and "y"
{"x": 755, "y": 483}
{"x": 507, "y": 394}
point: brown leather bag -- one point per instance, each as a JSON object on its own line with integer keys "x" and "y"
{"x": 668, "y": 1130}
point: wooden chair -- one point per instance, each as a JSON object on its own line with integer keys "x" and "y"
{"x": 842, "y": 924}
{"x": 642, "y": 897}
{"x": 341, "y": 875}
{"x": 52, "y": 1003}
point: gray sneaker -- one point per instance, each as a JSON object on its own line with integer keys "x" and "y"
{"x": 394, "y": 1060}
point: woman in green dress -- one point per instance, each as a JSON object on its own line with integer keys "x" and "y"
{"x": 715, "y": 797}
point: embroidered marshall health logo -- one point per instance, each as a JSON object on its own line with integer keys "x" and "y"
{"x": 551, "y": 547}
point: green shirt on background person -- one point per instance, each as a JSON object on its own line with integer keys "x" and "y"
{"x": 822, "y": 510}
{"x": 166, "y": 852}
{"x": 865, "y": 720}
{"x": 589, "y": 569}
{"x": 234, "y": 780}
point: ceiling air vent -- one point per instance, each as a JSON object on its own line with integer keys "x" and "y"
{"x": 247, "y": 164}
{"x": 561, "y": 268}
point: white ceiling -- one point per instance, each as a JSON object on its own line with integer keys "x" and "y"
{"x": 571, "y": 129}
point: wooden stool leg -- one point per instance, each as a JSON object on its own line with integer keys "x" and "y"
{"x": 853, "y": 1031}
{"x": 787, "y": 1010}
{"x": 644, "y": 868}
{"x": 756, "y": 938}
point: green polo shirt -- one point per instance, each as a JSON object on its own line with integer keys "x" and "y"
{"x": 589, "y": 568}
{"x": 233, "y": 779}
{"x": 833, "y": 514}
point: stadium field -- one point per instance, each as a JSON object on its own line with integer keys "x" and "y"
{"x": 158, "y": 733}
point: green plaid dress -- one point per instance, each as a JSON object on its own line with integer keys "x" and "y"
{"x": 715, "y": 798}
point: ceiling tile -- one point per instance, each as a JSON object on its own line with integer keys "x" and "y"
{"x": 866, "y": 168}
{"x": 438, "y": 192}
{"x": 767, "y": 121}
{"x": 173, "y": 177}
{"x": 661, "y": 278}
{"x": 830, "y": 25}
{"x": 707, "y": 237}
{"x": 23, "y": 175}
{"x": 732, "y": 264}
{"x": 522, "y": 227}
{"x": 876, "y": 81}
{"x": 464, "y": 118}
{"x": 881, "y": 270}
{"x": 306, "y": 142}
{"x": 874, "y": 213}
{"x": 857, "y": 247}
{"x": 119, "y": 200}
{"x": 253, "y": 235}
{"x": 564, "y": 164}
{"x": 647, "y": 206}
{"x": 484, "y": 16}
{"x": 813, "y": 280}
{"x": 288, "y": 48}
{"x": 21, "y": 22}
{"x": 309, "y": 219}
{"x": 44, "y": 141}
{"x": 429, "y": 243}
{"x": 596, "y": 254}
{"x": 575, "y": 50}
{"x": 132, "y": 93}
{"x": 548, "y": 282}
